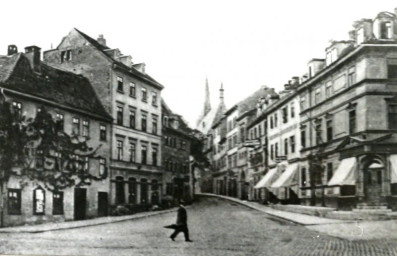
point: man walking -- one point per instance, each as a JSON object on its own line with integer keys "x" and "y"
{"x": 181, "y": 223}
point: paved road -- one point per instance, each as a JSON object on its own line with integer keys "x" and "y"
{"x": 217, "y": 227}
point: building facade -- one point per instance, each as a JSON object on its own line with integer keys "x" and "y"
{"x": 177, "y": 137}
{"x": 62, "y": 138}
{"x": 132, "y": 98}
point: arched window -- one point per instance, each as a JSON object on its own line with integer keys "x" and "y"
{"x": 120, "y": 195}
{"x": 144, "y": 191}
{"x": 132, "y": 190}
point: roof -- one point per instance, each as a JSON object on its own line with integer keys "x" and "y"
{"x": 182, "y": 125}
{"x": 131, "y": 69}
{"x": 52, "y": 84}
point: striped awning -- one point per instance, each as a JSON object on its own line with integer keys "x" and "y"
{"x": 267, "y": 179}
{"x": 345, "y": 174}
{"x": 286, "y": 179}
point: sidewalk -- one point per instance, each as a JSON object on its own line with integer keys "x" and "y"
{"x": 297, "y": 218}
{"x": 80, "y": 223}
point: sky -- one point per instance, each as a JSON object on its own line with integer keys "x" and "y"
{"x": 242, "y": 44}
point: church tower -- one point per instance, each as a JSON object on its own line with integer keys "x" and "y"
{"x": 207, "y": 102}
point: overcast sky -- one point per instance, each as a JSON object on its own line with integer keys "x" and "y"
{"x": 244, "y": 44}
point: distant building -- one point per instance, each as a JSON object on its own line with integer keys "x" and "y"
{"x": 32, "y": 193}
{"x": 133, "y": 98}
{"x": 177, "y": 137}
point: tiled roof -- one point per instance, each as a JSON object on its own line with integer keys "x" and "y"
{"x": 250, "y": 102}
{"x": 134, "y": 71}
{"x": 61, "y": 87}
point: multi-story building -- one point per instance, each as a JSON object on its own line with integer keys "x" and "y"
{"x": 177, "y": 137}
{"x": 231, "y": 175}
{"x": 348, "y": 120}
{"x": 132, "y": 97}
{"x": 62, "y": 138}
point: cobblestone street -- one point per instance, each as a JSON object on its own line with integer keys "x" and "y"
{"x": 217, "y": 227}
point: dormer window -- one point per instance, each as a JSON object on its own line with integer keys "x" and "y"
{"x": 385, "y": 30}
{"x": 332, "y": 55}
{"x": 360, "y": 36}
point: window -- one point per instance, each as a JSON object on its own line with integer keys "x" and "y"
{"x": 318, "y": 132}
{"x": 119, "y": 84}
{"x": 154, "y": 98}
{"x": 385, "y": 30}
{"x": 285, "y": 146}
{"x": 329, "y": 130}
{"x": 154, "y": 125}
{"x": 144, "y": 94}
{"x": 120, "y": 194}
{"x": 392, "y": 68}
{"x": 271, "y": 122}
{"x": 276, "y": 150}
{"x": 303, "y": 177}
{"x": 60, "y": 121}
{"x": 340, "y": 83}
{"x": 275, "y": 120}
{"x": 66, "y": 55}
{"x": 76, "y": 126}
{"x": 303, "y": 136}
{"x": 393, "y": 116}
{"x": 119, "y": 150}
{"x": 132, "y": 150}
{"x": 102, "y": 132}
{"x": 57, "y": 203}
{"x": 17, "y": 107}
{"x": 143, "y": 154}
{"x": 292, "y": 143}
{"x": 132, "y": 90}
{"x": 352, "y": 121}
{"x": 86, "y": 166}
{"x": 132, "y": 190}
{"x": 242, "y": 136}
{"x": 328, "y": 89}
{"x": 165, "y": 121}
{"x": 351, "y": 76}
{"x": 317, "y": 95}
{"x": 285, "y": 114}
{"x": 102, "y": 167}
{"x": 39, "y": 201}
{"x": 330, "y": 171}
{"x": 144, "y": 191}
{"x": 14, "y": 201}
{"x": 303, "y": 102}
{"x": 132, "y": 118}
{"x": 260, "y": 130}
{"x": 86, "y": 128}
{"x": 119, "y": 117}
{"x": 154, "y": 156}
{"x": 292, "y": 109}
{"x": 317, "y": 177}
{"x": 143, "y": 122}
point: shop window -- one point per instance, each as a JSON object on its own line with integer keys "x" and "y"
{"x": 14, "y": 201}
{"x": 120, "y": 196}
{"x": 132, "y": 190}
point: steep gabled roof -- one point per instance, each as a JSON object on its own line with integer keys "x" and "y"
{"x": 131, "y": 69}
{"x": 51, "y": 84}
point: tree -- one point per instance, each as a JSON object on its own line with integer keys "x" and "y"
{"x": 38, "y": 149}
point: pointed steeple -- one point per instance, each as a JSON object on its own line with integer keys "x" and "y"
{"x": 207, "y": 103}
{"x": 221, "y": 96}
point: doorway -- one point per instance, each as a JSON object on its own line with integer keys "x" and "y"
{"x": 80, "y": 203}
{"x": 102, "y": 204}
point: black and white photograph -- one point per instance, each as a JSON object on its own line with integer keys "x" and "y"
{"x": 175, "y": 127}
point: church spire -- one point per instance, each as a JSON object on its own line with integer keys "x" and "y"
{"x": 207, "y": 103}
{"x": 221, "y": 96}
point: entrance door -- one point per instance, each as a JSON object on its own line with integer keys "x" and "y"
{"x": 80, "y": 203}
{"x": 102, "y": 204}
{"x": 373, "y": 185}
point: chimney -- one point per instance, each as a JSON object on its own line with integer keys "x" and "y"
{"x": 101, "y": 40}
{"x": 140, "y": 67}
{"x": 12, "y": 49}
{"x": 33, "y": 54}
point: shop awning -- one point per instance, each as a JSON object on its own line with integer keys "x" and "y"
{"x": 345, "y": 174}
{"x": 393, "y": 161}
{"x": 267, "y": 179}
{"x": 286, "y": 179}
